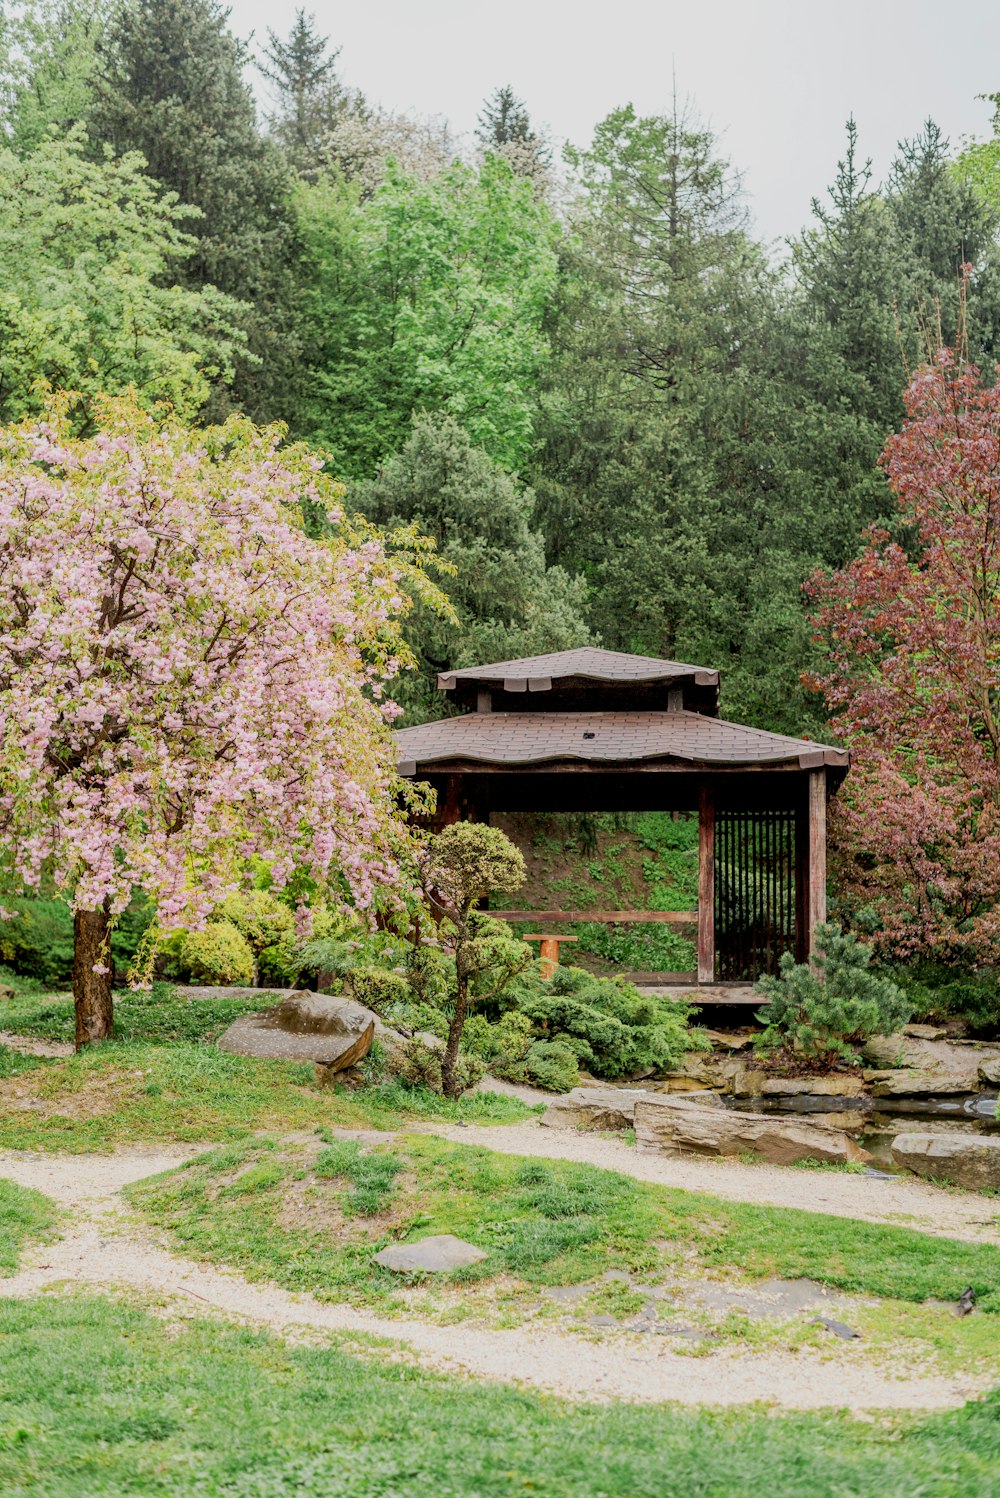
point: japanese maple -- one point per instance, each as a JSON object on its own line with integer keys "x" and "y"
{"x": 187, "y": 680}
{"x": 914, "y": 637}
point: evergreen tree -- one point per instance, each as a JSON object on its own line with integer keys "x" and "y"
{"x": 303, "y": 72}
{"x": 504, "y": 126}
{"x": 509, "y": 603}
{"x": 170, "y": 85}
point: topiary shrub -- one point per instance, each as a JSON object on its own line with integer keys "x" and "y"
{"x": 217, "y": 954}
{"x": 462, "y": 864}
{"x": 378, "y": 988}
{"x": 819, "y": 1011}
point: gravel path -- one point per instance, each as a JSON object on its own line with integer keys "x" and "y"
{"x": 902, "y": 1201}
{"x": 102, "y": 1249}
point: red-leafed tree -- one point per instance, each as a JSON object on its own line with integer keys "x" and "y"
{"x": 913, "y": 627}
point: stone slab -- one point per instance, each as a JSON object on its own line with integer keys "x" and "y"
{"x": 666, "y": 1125}
{"x": 606, "y": 1108}
{"x": 969, "y": 1160}
{"x": 430, "y": 1255}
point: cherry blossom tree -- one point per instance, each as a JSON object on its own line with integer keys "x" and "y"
{"x": 187, "y": 680}
{"x": 913, "y": 627}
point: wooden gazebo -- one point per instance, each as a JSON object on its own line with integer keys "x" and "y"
{"x": 598, "y": 730}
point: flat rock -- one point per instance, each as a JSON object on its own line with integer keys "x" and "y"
{"x": 606, "y": 1108}
{"x": 836, "y": 1086}
{"x": 970, "y": 1160}
{"x": 668, "y": 1125}
{"x": 331, "y": 1031}
{"x": 430, "y": 1255}
{"x": 925, "y": 1032}
{"x": 909, "y": 1083}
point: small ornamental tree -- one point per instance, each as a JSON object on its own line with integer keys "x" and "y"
{"x": 187, "y": 681}
{"x": 462, "y": 864}
{"x": 820, "y": 1009}
{"x": 913, "y": 685}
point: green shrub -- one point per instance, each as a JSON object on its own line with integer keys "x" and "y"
{"x": 939, "y": 992}
{"x": 38, "y": 941}
{"x": 217, "y": 954}
{"x": 550, "y": 1064}
{"x": 378, "y": 988}
{"x": 610, "y": 1026}
{"x": 820, "y": 1011}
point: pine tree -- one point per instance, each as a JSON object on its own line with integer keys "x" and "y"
{"x": 170, "y": 84}
{"x": 310, "y": 97}
{"x": 505, "y": 126}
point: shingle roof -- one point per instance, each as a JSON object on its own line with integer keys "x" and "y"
{"x": 610, "y": 737}
{"x": 588, "y": 662}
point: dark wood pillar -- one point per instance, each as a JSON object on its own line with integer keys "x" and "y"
{"x": 815, "y": 901}
{"x": 706, "y": 884}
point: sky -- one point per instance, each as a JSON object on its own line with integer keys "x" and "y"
{"x": 776, "y": 79}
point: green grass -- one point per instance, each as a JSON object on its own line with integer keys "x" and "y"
{"x": 542, "y": 1222}
{"x": 160, "y": 1016}
{"x": 99, "y": 1397}
{"x": 25, "y": 1217}
{"x": 130, "y": 1092}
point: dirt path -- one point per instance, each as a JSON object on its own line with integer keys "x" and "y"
{"x": 103, "y": 1249}
{"x": 901, "y": 1201}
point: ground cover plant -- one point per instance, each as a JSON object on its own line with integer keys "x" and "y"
{"x": 100, "y": 1396}
{"x": 311, "y": 1218}
{"x": 25, "y": 1217}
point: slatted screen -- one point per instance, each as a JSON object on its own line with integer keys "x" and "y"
{"x": 755, "y": 876}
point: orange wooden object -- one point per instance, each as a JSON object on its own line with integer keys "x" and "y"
{"x": 549, "y": 949}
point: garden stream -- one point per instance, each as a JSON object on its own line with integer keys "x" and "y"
{"x": 875, "y": 1122}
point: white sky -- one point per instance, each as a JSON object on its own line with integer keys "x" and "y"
{"x": 776, "y": 78}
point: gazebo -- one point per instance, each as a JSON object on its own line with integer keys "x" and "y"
{"x": 598, "y": 730}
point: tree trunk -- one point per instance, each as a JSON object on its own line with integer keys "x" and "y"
{"x": 449, "y": 1078}
{"x": 92, "y": 991}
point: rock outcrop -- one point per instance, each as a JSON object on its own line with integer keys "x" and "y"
{"x": 331, "y": 1031}
{"x": 970, "y": 1160}
{"x": 673, "y": 1126}
{"x": 607, "y": 1108}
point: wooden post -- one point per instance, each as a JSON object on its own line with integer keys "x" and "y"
{"x": 816, "y": 889}
{"x": 706, "y": 885}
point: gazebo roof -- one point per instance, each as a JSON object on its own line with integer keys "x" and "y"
{"x": 536, "y": 673}
{"x": 602, "y": 739}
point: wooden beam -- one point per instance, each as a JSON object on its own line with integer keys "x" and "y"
{"x": 603, "y": 917}
{"x": 816, "y": 885}
{"x": 706, "y": 885}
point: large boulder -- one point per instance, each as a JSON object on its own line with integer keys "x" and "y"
{"x": 989, "y": 1070}
{"x": 331, "y": 1031}
{"x": 606, "y": 1108}
{"x": 970, "y": 1160}
{"x": 669, "y": 1125}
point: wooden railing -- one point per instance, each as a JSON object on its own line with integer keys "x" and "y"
{"x": 601, "y": 917}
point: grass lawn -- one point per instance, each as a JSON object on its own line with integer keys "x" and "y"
{"x": 99, "y": 1397}
{"x": 25, "y": 1217}
{"x": 311, "y": 1217}
{"x": 130, "y": 1092}
{"x": 162, "y": 1079}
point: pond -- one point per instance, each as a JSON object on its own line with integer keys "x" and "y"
{"x": 875, "y": 1122}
